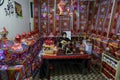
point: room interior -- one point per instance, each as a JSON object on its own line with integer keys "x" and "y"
{"x": 60, "y": 40}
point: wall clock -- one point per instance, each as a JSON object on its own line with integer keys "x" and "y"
{"x": 1, "y": 2}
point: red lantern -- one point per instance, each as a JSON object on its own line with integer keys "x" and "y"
{"x": 110, "y": 35}
{"x": 23, "y": 35}
{"x": 104, "y": 34}
{"x": 18, "y": 38}
{"x": 29, "y": 34}
{"x": 99, "y": 32}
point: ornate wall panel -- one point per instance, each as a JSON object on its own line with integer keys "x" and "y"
{"x": 103, "y": 8}
{"x": 55, "y": 16}
{"x": 36, "y": 14}
{"x": 106, "y": 22}
{"x": 51, "y": 10}
{"x": 83, "y": 15}
{"x": 96, "y": 12}
{"x": 90, "y": 17}
{"x": 44, "y": 16}
{"x": 115, "y": 26}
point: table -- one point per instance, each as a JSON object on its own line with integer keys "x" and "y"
{"x": 50, "y": 60}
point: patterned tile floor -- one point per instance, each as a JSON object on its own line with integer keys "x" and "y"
{"x": 73, "y": 72}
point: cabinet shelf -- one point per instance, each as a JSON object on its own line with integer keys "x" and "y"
{"x": 110, "y": 66}
{"x": 106, "y": 77}
{"x": 109, "y": 72}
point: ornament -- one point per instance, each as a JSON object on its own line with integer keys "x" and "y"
{"x": 65, "y": 24}
{"x": 113, "y": 30}
{"x": 50, "y": 16}
{"x": 80, "y": 9}
{"x": 82, "y": 17}
{"x": 61, "y": 6}
{"x": 23, "y": 35}
{"x": 57, "y": 28}
{"x": 75, "y": 7}
{"x": 44, "y": 15}
{"x": 18, "y": 38}
{"x": 116, "y": 15}
{"x": 43, "y": 26}
{"x": 57, "y": 17}
{"x": 103, "y": 9}
{"x": 51, "y": 21}
{"x": 82, "y": 27}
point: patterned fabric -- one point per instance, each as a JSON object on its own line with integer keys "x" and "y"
{"x": 72, "y": 72}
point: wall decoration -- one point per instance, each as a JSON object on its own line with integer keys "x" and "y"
{"x": 116, "y": 19}
{"x": 83, "y": 9}
{"x": 61, "y": 6}
{"x": 18, "y": 9}
{"x": 31, "y": 7}
{"x": 36, "y": 18}
{"x": 44, "y": 17}
{"x": 1, "y": 2}
{"x": 9, "y": 10}
{"x": 65, "y": 23}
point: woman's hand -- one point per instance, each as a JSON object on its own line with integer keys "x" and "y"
{"x": 64, "y": 42}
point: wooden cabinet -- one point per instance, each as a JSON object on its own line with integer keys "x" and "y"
{"x": 110, "y": 67}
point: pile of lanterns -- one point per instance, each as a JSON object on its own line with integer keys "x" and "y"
{"x": 17, "y": 48}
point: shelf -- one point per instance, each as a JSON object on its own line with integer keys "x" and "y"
{"x": 110, "y": 65}
{"x": 109, "y": 72}
{"x": 111, "y": 56}
{"x": 105, "y": 76}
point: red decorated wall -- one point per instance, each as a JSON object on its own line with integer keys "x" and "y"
{"x": 52, "y": 17}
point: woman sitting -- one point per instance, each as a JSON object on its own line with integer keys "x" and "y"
{"x": 65, "y": 43}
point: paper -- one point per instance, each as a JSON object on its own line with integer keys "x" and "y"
{"x": 68, "y": 34}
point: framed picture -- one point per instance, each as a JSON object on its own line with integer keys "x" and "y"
{"x": 18, "y": 9}
{"x": 31, "y": 9}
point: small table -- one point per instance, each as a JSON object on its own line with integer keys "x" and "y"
{"x": 48, "y": 60}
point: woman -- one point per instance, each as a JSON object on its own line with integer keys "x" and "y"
{"x": 64, "y": 41}
{"x": 65, "y": 44}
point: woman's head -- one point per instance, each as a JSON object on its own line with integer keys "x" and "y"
{"x": 64, "y": 34}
